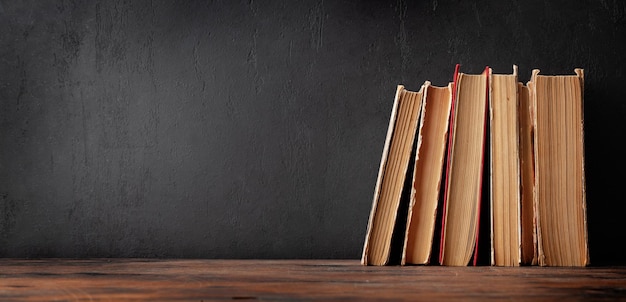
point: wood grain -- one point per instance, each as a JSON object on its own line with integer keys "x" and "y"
{"x": 302, "y": 280}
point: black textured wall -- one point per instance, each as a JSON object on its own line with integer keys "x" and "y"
{"x": 254, "y": 129}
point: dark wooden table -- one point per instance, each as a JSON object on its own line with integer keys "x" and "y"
{"x": 287, "y": 280}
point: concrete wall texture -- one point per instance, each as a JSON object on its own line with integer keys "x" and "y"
{"x": 254, "y": 129}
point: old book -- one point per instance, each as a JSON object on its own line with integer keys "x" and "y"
{"x": 527, "y": 177}
{"x": 504, "y": 169}
{"x": 560, "y": 200}
{"x": 463, "y": 184}
{"x": 391, "y": 175}
{"x": 429, "y": 159}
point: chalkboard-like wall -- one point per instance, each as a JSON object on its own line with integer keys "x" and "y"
{"x": 254, "y": 129}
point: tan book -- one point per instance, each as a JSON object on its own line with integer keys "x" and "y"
{"x": 429, "y": 159}
{"x": 527, "y": 169}
{"x": 391, "y": 175}
{"x": 504, "y": 169}
{"x": 463, "y": 185}
{"x": 560, "y": 200}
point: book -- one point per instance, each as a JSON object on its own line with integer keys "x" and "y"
{"x": 560, "y": 200}
{"x": 536, "y": 176}
{"x": 427, "y": 171}
{"x": 392, "y": 174}
{"x": 464, "y": 169}
{"x": 505, "y": 185}
{"x": 527, "y": 177}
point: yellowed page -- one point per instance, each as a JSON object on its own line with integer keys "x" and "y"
{"x": 560, "y": 185}
{"x": 429, "y": 160}
{"x": 505, "y": 170}
{"x": 465, "y": 175}
{"x": 392, "y": 173}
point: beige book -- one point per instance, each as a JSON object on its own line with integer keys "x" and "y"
{"x": 391, "y": 176}
{"x": 504, "y": 170}
{"x": 559, "y": 169}
{"x": 462, "y": 198}
{"x": 527, "y": 168}
{"x": 429, "y": 159}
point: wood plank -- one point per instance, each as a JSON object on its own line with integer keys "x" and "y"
{"x": 198, "y": 280}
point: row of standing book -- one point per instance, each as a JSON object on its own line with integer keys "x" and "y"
{"x": 486, "y": 148}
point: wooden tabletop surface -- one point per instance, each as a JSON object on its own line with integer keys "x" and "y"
{"x": 301, "y": 280}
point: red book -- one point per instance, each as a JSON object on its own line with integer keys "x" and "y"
{"x": 464, "y": 169}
